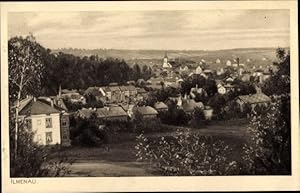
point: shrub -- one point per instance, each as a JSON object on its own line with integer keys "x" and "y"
{"x": 34, "y": 160}
{"x": 270, "y": 149}
{"x": 174, "y": 116}
{"x": 198, "y": 119}
{"x": 186, "y": 154}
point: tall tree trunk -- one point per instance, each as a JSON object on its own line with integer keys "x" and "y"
{"x": 17, "y": 121}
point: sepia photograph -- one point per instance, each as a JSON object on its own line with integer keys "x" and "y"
{"x": 156, "y": 91}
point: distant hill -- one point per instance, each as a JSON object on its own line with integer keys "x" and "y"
{"x": 257, "y": 56}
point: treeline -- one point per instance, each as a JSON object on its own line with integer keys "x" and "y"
{"x": 72, "y": 72}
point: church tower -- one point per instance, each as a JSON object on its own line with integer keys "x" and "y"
{"x": 166, "y": 64}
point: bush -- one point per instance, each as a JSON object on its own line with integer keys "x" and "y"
{"x": 186, "y": 154}
{"x": 174, "y": 116}
{"x": 270, "y": 149}
{"x": 33, "y": 160}
{"x": 198, "y": 119}
{"x": 88, "y": 132}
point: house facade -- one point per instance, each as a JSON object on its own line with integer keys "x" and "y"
{"x": 48, "y": 122}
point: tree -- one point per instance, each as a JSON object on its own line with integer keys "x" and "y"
{"x": 210, "y": 87}
{"x": 136, "y": 72}
{"x": 279, "y": 83}
{"x": 270, "y": 149}
{"x": 26, "y": 66}
{"x": 198, "y": 119}
{"x": 217, "y": 102}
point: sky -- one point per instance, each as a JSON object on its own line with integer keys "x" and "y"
{"x": 163, "y": 30}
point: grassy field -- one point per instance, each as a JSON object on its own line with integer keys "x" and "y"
{"x": 118, "y": 159}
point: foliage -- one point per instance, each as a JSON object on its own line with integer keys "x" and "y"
{"x": 191, "y": 82}
{"x": 198, "y": 118}
{"x": 145, "y": 125}
{"x": 88, "y": 132}
{"x": 186, "y": 154}
{"x": 174, "y": 116}
{"x": 96, "y": 132}
{"x": 34, "y": 160}
{"x": 27, "y": 60}
{"x": 26, "y": 66}
{"x": 279, "y": 83}
{"x": 270, "y": 150}
{"x": 217, "y": 102}
{"x": 91, "y": 102}
{"x": 62, "y": 69}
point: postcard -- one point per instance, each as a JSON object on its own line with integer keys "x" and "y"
{"x": 149, "y": 96}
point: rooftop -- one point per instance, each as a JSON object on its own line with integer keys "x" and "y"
{"x": 160, "y": 105}
{"x": 111, "y": 112}
{"x": 255, "y": 98}
{"x": 190, "y": 105}
{"x": 145, "y": 110}
{"x": 37, "y": 107}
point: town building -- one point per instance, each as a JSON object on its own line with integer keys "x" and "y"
{"x": 221, "y": 89}
{"x": 258, "y": 99}
{"x": 141, "y": 94}
{"x": 166, "y": 63}
{"x": 189, "y": 105}
{"x": 85, "y": 113}
{"x": 72, "y": 95}
{"x": 196, "y": 90}
{"x": 98, "y": 93}
{"x": 47, "y": 119}
{"x": 112, "y": 113}
{"x": 228, "y": 63}
{"x": 160, "y": 106}
{"x": 146, "y": 112}
{"x": 198, "y": 70}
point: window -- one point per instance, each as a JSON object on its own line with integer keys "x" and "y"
{"x": 48, "y": 137}
{"x": 38, "y": 122}
{"x": 48, "y": 123}
{"x": 28, "y": 123}
{"x": 64, "y": 123}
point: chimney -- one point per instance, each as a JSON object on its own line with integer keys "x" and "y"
{"x": 59, "y": 91}
{"x": 52, "y": 103}
{"x": 34, "y": 99}
{"x": 196, "y": 86}
{"x": 238, "y": 61}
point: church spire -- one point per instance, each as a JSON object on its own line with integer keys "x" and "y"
{"x": 166, "y": 56}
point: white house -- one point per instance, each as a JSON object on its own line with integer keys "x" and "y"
{"x": 221, "y": 89}
{"x": 198, "y": 70}
{"x": 48, "y": 121}
{"x": 228, "y": 63}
